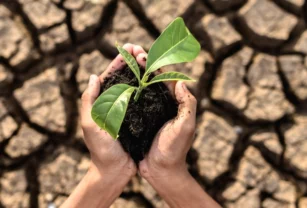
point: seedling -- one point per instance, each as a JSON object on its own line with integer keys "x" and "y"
{"x": 175, "y": 45}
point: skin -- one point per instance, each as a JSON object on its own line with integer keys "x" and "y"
{"x": 164, "y": 167}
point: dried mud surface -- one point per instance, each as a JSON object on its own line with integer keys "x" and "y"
{"x": 251, "y": 140}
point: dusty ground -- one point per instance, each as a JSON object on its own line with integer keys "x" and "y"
{"x": 251, "y": 144}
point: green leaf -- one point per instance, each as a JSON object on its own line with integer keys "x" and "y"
{"x": 110, "y": 108}
{"x": 170, "y": 76}
{"x": 175, "y": 45}
{"x": 130, "y": 60}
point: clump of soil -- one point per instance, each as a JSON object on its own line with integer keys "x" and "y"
{"x": 145, "y": 117}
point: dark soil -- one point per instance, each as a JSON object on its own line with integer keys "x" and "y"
{"x": 145, "y": 117}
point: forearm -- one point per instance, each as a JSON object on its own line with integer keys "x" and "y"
{"x": 96, "y": 190}
{"x": 180, "y": 190}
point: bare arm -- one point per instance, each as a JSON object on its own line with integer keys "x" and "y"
{"x": 111, "y": 167}
{"x": 180, "y": 190}
{"x": 97, "y": 189}
{"x": 165, "y": 167}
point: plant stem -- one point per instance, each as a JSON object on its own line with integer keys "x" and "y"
{"x": 138, "y": 93}
{"x": 142, "y": 85}
{"x": 145, "y": 78}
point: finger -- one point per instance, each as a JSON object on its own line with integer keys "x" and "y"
{"x": 88, "y": 98}
{"x": 142, "y": 58}
{"x": 137, "y": 50}
{"x": 117, "y": 63}
{"x": 186, "y": 109}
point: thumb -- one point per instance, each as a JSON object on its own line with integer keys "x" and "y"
{"x": 183, "y": 126}
{"x": 88, "y": 98}
{"x": 187, "y": 107}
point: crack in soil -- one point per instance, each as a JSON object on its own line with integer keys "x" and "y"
{"x": 140, "y": 14}
{"x": 69, "y": 88}
{"x": 140, "y": 196}
{"x": 33, "y": 183}
{"x": 16, "y": 7}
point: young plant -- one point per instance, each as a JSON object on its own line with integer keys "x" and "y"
{"x": 175, "y": 45}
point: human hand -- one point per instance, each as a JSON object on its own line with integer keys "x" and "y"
{"x": 107, "y": 155}
{"x": 164, "y": 167}
{"x": 111, "y": 168}
{"x": 167, "y": 156}
{"x": 168, "y": 152}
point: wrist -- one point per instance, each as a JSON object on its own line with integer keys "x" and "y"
{"x": 161, "y": 177}
{"x": 96, "y": 189}
{"x": 155, "y": 171}
{"x": 179, "y": 189}
{"x": 168, "y": 178}
{"x": 107, "y": 186}
{"x": 170, "y": 185}
{"x": 123, "y": 169}
{"x": 119, "y": 177}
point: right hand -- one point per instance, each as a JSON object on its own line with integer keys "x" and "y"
{"x": 167, "y": 155}
{"x": 164, "y": 167}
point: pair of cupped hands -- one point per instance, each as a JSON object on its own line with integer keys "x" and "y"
{"x": 169, "y": 149}
{"x": 164, "y": 167}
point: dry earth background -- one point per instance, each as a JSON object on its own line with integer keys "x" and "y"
{"x": 250, "y": 149}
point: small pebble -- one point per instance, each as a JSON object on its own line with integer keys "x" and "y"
{"x": 49, "y": 197}
{"x": 51, "y": 205}
{"x": 205, "y": 103}
{"x": 238, "y": 129}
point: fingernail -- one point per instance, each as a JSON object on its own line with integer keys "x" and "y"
{"x": 92, "y": 80}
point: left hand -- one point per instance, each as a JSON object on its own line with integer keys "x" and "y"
{"x": 107, "y": 155}
{"x": 111, "y": 167}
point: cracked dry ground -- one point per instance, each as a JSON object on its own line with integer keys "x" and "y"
{"x": 250, "y": 148}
